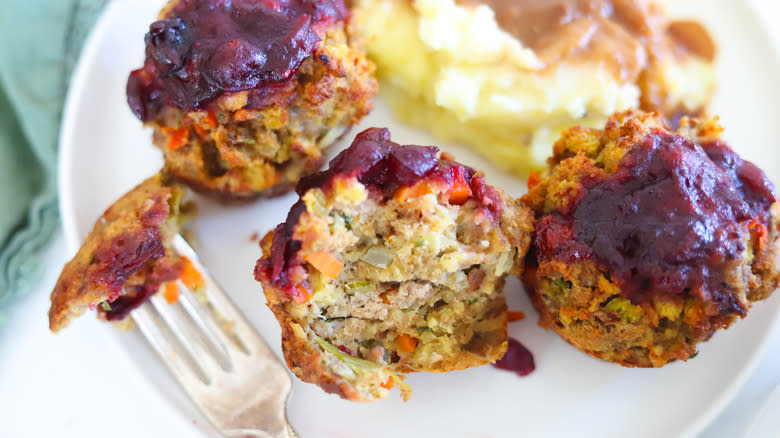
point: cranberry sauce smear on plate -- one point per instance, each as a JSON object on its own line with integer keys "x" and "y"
{"x": 647, "y": 240}
{"x": 518, "y": 359}
{"x": 203, "y": 48}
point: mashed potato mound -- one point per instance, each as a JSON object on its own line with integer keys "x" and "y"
{"x": 458, "y": 69}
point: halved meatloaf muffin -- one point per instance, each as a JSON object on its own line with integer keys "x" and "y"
{"x": 393, "y": 260}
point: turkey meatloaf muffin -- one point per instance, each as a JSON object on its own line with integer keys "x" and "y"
{"x": 244, "y": 96}
{"x": 647, "y": 240}
{"x": 393, "y": 260}
{"x": 125, "y": 259}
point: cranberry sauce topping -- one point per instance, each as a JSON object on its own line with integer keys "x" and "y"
{"x": 377, "y": 161}
{"x": 134, "y": 296}
{"x": 517, "y": 359}
{"x": 670, "y": 219}
{"x": 383, "y": 165}
{"x": 204, "y": 48}
{"x": 751, "y": 181}
{"x": 154, "y": 273}
{"x": 123, "y": 256}
{"x": 283, "y": 250}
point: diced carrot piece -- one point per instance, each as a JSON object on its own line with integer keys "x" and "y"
{"x": 325, "y": 262}
{"x": 177, "y": 138}
{"x": 210, "y": 120}
{"x": 421, "y": 188}
{"x": 244, "y": 114}
{"x": 299, "y": 293}
{"x": 389, "y": 383}
{"x": 201, "y": 131}
{"x": 171, "y": 292}
{"x": 512, "y": 316}
{"x": 761, "y": 232}
{"x": 190, "y": 275}
{"x": 533, "y": 179}
{"x": 569, "y": 312}
{"x": 459, "y": 191}
{"x": 406, "y": 343}
{"x": 205, "y": 124}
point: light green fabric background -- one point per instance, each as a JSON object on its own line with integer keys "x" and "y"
{"x": 39, "y": 44}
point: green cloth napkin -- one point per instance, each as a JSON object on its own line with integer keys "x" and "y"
{"x": 39, "y": 44}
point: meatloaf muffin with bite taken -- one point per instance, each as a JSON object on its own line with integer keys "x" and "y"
{"x": 125, "y": 259}
{"x": 392, "y": 261}
{"x": 244, "y": 96}
{"x": 649, "y": 240}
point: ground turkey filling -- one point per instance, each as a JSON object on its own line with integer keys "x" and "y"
{"x": 416, "y": 288}
{"x": 395, "y": 256}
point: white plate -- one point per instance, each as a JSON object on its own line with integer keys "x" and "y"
{"x": 105, "y": 152}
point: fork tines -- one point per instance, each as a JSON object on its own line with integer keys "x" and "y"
{"x": 219, "y": 359}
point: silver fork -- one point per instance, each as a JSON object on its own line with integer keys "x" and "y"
{"x": 218, "y": 358}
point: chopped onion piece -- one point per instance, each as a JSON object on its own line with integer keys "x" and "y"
{"x": 378, "y": 256}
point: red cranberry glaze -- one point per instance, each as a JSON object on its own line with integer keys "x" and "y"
{"x": 134, "y": 297}
{"x": 381, "y": 165}
{"x": 378, "y": 162}
{"x": 517, "y": 359}
{"x": 123, "y": 257}
{"x": 205, "y": 48}
{"x": 130, "y": 254}
{"x": 670, "y": 219}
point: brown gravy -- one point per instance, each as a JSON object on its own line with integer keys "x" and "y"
{"x": 619, "y": 33}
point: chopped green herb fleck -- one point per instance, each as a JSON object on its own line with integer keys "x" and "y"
{"x": 221, "y": 117}
{"x": 371, "y": 343}
{"x": 562, "y": 285}
{"x": 347, "y": 221}
{"x": 105, "y": 305}
{"x": 358, "y": 365}
{"x": 693, "y": 355}
{"x": 359, "y": 286}
{"x": 418, "y": 243}
{"x": 624, "y": 309}
{"x": 423, "y": 329}
{"x": 473, "y": 301}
